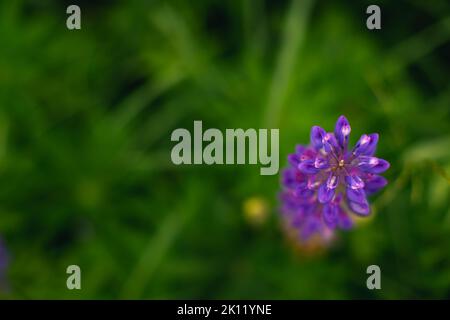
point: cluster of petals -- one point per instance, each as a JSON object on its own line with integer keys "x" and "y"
{"x": 326, "y": 181}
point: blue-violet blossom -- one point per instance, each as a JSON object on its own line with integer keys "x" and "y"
{"x": 325, "y": 181}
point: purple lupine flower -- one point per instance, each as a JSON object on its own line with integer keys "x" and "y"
{"x": 326, "y": 181}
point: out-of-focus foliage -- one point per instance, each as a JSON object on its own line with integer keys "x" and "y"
{"x": 85, "y": 124}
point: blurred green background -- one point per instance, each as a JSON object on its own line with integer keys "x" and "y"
{"x": 85, "y": 124}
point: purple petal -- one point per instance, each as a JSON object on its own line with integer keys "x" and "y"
{"x": 344, "y": 221}
{"x": 317, "y": 134}
{"x": 375, "y": 183}
{"x": 311, "y": 226}
{"x": 308, "y": 167}
{"x": 298, "y": 220}
{"x": 325, "y": 194}
{"x": 321, "y": 163}
{"x": 293, "y": 182}
{"x": 294, "y": 159}
{"x": 299, "y": 149}
{"x": 337, "y": 199}
{"x": 287, "y": 178}
{"x": 313, "y": 182}
{"x": 356, "y": 195}
{"x": 342, "y": 131}
{"x": 372, "y": 164}
{"x": 362, "y": 209}
{"x": 330, "y": 215}
{"x": 366, "y": 145}
{"x": 330, "y": 143}
{"x": 308, "y": 154}
{"x": 332, "y": 181}
{"x": 354, "y": 182}
{"x": 303, "y": 192}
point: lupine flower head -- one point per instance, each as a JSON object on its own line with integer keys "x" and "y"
{"x": 326, "y": 181}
